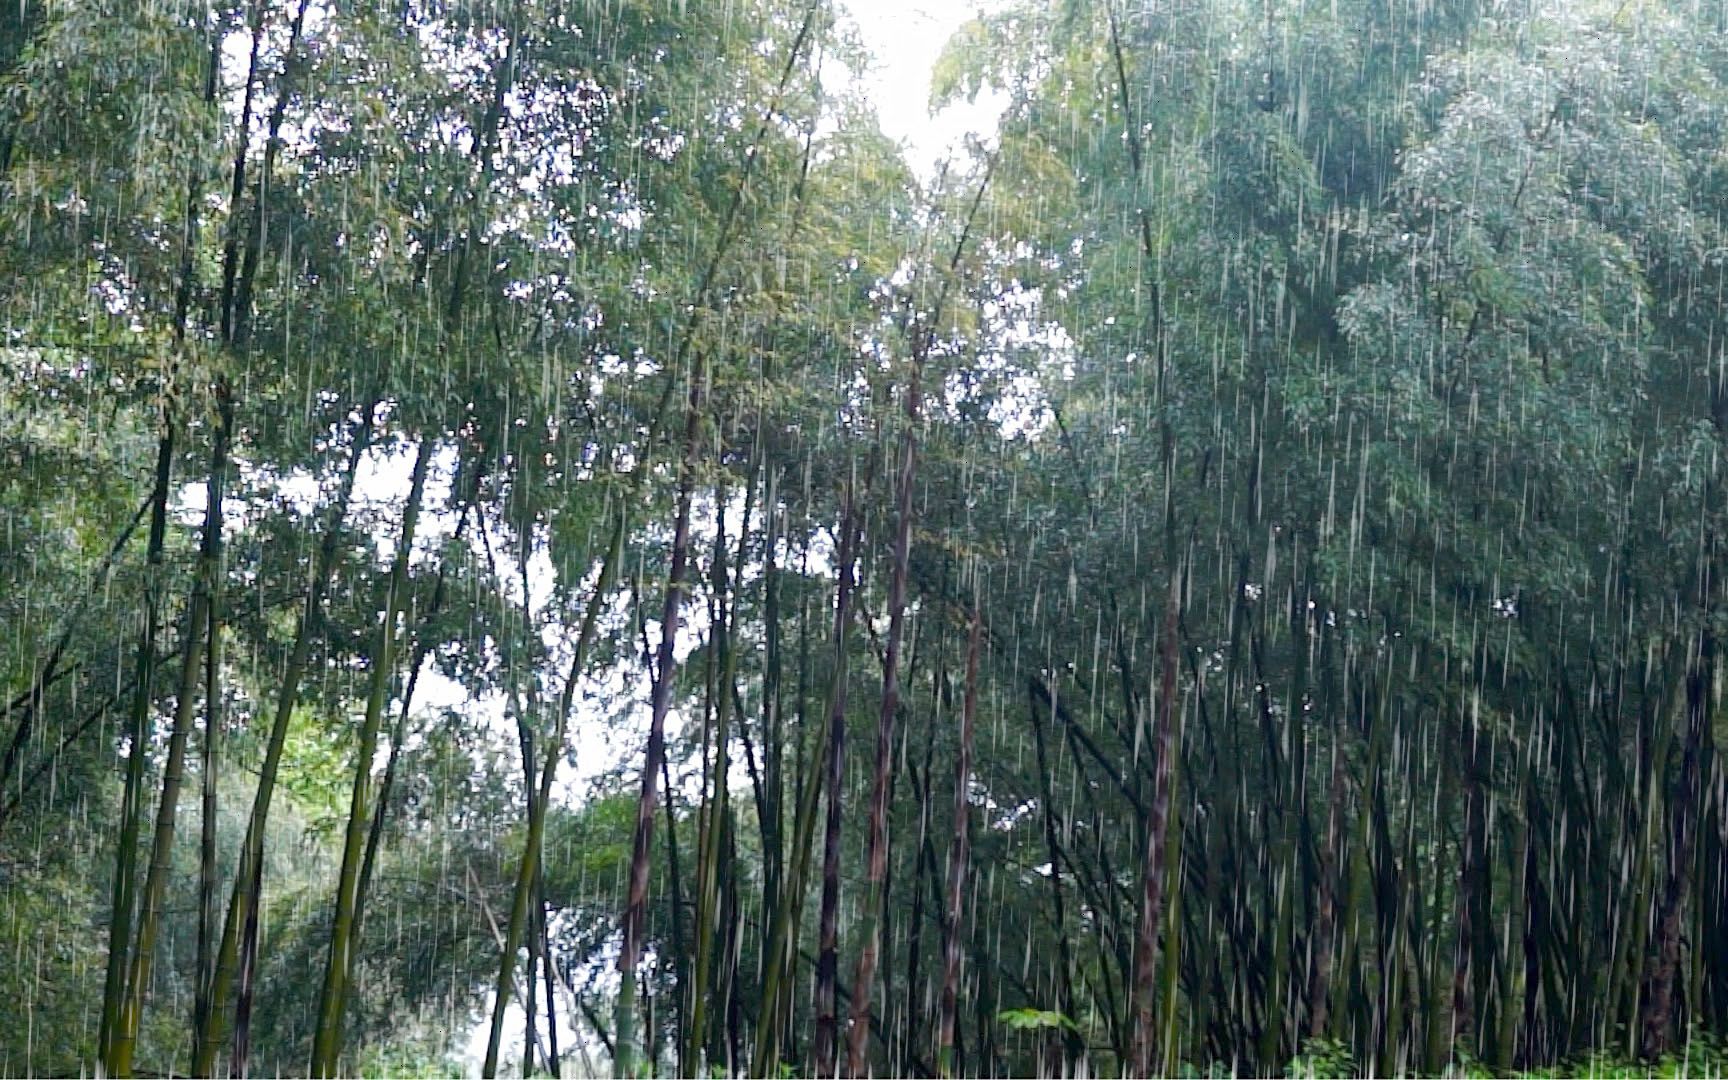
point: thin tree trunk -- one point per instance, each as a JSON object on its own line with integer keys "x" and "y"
{"x": 675, "y": 874}
{"x": 200, "y": 621}
{"x": 249, "y": 871}
{"x": 923, "y": 865}
{"x": 1058, "y": 909}
{"x": 1325, "y": 904}
{"x": 635, "y": 910}
{"x": 213, "y": 720}
{"x": 1628, "y": 962}
{"x": 782, "y": 939}
{"x": 1658, "y": 1016}
{"x": 708, "y": 869}
{"x": 666, "y": 665}
{"x": 525, "y": 741}
{"x": 1436, "y": 1016}
{"x": 237, "y": 183}
{"x": 825, "y": 1047}
{"x": 125, "y": 899}
{"x": 485, "y": 151}
{"x": 773, "y": 823}
{"x": 1514, "y": 970}
{"x": 1172, "y": 962}
{"x": 531, "y": 938}
{"x": 711, "y": 803}
{"x": 695, "y": 976}
{"x": 554, "y": 1060}
{"x": 725, "y": 1045}
{"x": 669, "y": 806}
{"x": 237, "y": 290}
{"x": 1143, "y": 1057}
{"x": 876, "y": 857}
{"x": 423, "y": 646}
{"x": 1469, "y": 868}
{"x": 238, "y": 271}
{"x": 530, "y": 1007}
{"x": 327, "y": 1039}
{"x": 248, "y": 971}
{"x": 958, "y": 854}
{"x": 111, "y": 1042}
{"x": 1281, "y": 822}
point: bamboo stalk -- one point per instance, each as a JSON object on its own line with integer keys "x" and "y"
{"x": 958, "y": 856}
{"x": 327, "y": 1038}
{"x": 124, "y": 896}
{"x": 1143, "y": 1052}
{"x": 782, "y": 936}
{"x": 208, "y": 928}
{"x": 248, "y": 873}
{"x": 200, "y": 621}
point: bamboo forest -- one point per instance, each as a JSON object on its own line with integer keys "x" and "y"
{"x": 572, "y": 538}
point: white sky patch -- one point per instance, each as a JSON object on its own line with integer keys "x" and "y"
{"x": 905, "y": 38}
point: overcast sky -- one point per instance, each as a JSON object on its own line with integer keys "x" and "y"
{"x": 906, "y": 37}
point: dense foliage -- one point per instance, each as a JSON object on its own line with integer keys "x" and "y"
{"x": 533, "y": 538}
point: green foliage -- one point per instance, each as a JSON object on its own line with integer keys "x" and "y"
{"x": 1035, "y": 1019}
{"x": 34, "y": 928}
{"x": 1323, "y": 1059}
{"x": 382, "y": 1066}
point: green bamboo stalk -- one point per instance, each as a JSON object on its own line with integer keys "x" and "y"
{"x": 773, "y": 821}
{"x": 1630, "y": 970}
{"x": 1694, "y": 695}
{"x": 525, "y": 732}
{"x": 708, "y": 858}
{"x": 1437, "y": 1015}
{"x": 114, "y": 1048}
{"x": 644, "y": 832}
{"x": 876, "y": 854}
{"x": 635, "y": 907}
{"x": 876, "y": 857}
{"x": 532, "y": 853}
{"x": 1064, "y": 961}
{"x": 199, "y": 622}
{"x": 959, "y": 853}
{"x": 248, "y": 971}
{"x": 248, "y": 873}
{"x": 636, "y": 903}
{"x": 675, "y": 875}
{"x": 782, "y": 936}
{"x": 423, "y": 646}
{"x": 237, "y": 286}
{"x": 825, "y": 1044}
{"x": 131, "y": 810}
{"x": 694, "y": 990}
{"x": 123, "y": 1039}
{"x": 1513, "y": 972}
{"x": 213, "y": 720}
{"x": 327, "y": 1039}
{"x": 554, "y": 1059}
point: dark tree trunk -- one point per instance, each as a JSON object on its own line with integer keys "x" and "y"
{"x": 1143, "y": 1056}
